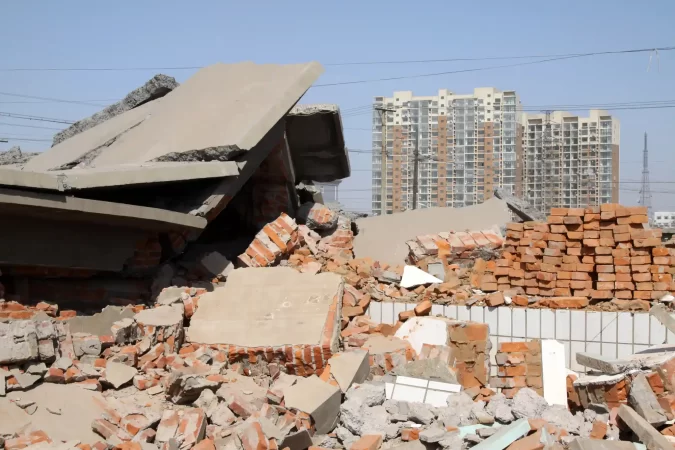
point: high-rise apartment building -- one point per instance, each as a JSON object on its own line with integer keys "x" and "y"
{"x": 570, "y": 161}
{"x": 467, "y": 145}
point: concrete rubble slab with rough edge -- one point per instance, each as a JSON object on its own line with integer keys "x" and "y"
{"x": 317, "y": 144}
{"x": 157, "y": 87}
{"x": 505, "y": 436}
{"x": 318, "y": 399}
{"x": 383, "y": 238}
{"x": 647, "y": 434}
{"x": 597, "y": 444}
{"x": 267, "y": 307}
{"x": 232, "y": 106}
{"x": 121, "y": 175}
{"x": 45, "y": 205}
{"x": 610, "y": 366}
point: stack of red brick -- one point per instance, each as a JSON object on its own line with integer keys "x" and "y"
{"x": 451, "y": 246}
{"x": 518, "y": 366}
{"x": 598, "y": 252}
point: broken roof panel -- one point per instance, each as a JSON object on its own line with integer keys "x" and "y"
{"x": 121, "y": 175}
{"x": 317, "y": 143}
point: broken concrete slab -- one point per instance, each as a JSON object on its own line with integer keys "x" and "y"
{"x": 349, "y": 367}
{"x": 119, "y": 374}
{"x": 661, "y": 313}
{"x": 598, "y": 444}
{"x": 644, "y": 402}
{"x": 505, "y": 436}
{"x": 283, "y": 307}
{"x": 79, "y": 407}
{"x": 520, "y": 207}
{"x": 413, "y": 277}
{"x": 435, "y": 369}
{"x": 609, "y": 366}
{"x": 99, "y": 324}
{"x": 318, "y": 399}
{"x": 383, "y": 238}
{"x": 18, "y": 341}
{"x": 647, "y": 433}
{"x": 157, "y": 87}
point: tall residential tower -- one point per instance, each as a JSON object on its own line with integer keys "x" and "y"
{"x": 467, "y": 145}
{"x": 570, "y": 161}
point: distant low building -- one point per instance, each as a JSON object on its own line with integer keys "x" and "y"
{"x": 664, "y": 219}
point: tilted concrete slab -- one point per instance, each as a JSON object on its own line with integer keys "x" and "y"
{"x": 222, "y": 110}
{"x": 317, "y": 143}
{"x": 653, "y": 358}
{"x": 157, "y": 87}
{"x": 597, "y": 444}
{"x": 268, "y": 307}
{"x": 94, "y": 139}
{"x": 644, "y": 431}
{"x": 122, "y": 175}
{"x": 47, "y": 205}
{"x": 383, "y": 238}
{"x": 664, "y": 316}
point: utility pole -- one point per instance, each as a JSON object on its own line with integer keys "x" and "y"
{"x": 416, "y": 158}
{"x": 645, "y": 191}
{"x": 383, "y": 176}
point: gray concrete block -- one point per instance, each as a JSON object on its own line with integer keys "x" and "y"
{"x": 18, "y": 341}
{"x": 318, "y": 399}
{"x": 645, "y": 403}
{"x": 349, "y": 367}
{"x": 648, "y": 434}
{"x": 606, "y": 365}
{"x": 505, "y": 436}
{"x": 597, "y": 444}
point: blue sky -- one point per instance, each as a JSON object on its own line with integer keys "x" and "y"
{"x": 168, "y": 34}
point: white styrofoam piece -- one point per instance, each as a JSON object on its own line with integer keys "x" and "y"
{"x": 504, "y": 325}
{"x": 608, "y": 350}
{"x": 609, "y": 324}
{"x": 625, "y": 327}
{"x": 477, "y": 314}
{"x": 533, "y": 323}
{"x": 423, "y": 330}
{"x": 447, "y": 387}
{"x": 414, "y": 276}
{"x": 593, "y": 326}
{"x": 547, "y": 324}
{"x": 405, "y": 393}
{"x": 463, "y": 312}
{"x": 562, "y": 324}
{"x": 437, "y": 398}
{"x": 398, "y": 308}
{"x": 577, "y": 347}
{"x": 375, "y": 309}
{"x": 578, "y": 331}
{"x": 641, "y": 328}
{"x": 554, "y": 372}
{"x": 410, "y": 381}
{"x": 451, "y": 311}
{"x": 388, "y": 313}
{"x": 519, "y": 322}
{"x": 657, "y": 332}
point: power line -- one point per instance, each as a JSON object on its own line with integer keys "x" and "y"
{"x": 345, "y": 63}
{"x": 30, "y": 126}
{"x": 58, "y": 100}
{"x": 38, "y": 118}
{"x": 501, "y": 66}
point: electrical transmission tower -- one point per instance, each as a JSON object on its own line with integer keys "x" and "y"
{"x": 645, "y": 191}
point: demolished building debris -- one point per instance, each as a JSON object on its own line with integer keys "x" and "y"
{"x": 234, "y": 311}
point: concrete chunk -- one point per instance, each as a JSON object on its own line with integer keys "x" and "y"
{"x": 18, "y": 341}
{"x": 349, "y": 367}
{"x": 606, "y": 365}
{"x": 597, "y": 444}
{"x": 662, "y": 315}
{"x": 648, "y": 434}
{"x": 645, "y": 403}
{"x": 318, "y": 399}
{"x": 505, "y": 436}
{"x": 119, "y": 374}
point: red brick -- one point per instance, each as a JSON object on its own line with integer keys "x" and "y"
{"x": 368, "y": 442}
{"x": 423, "y": 308}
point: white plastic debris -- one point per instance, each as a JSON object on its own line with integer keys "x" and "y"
{"x": 668, "y": 298}
{"x": 413, "y": 277}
